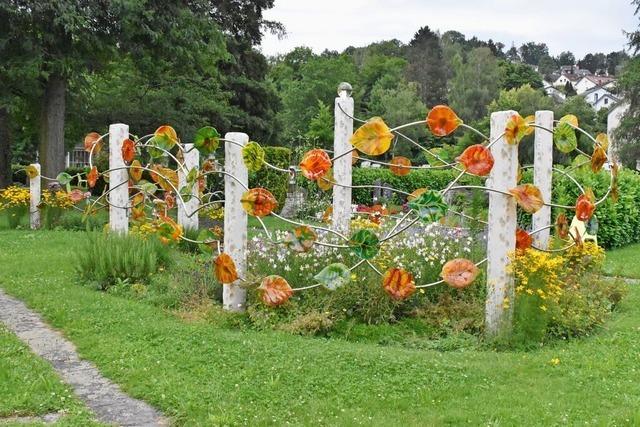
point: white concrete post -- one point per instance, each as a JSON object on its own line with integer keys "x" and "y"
{"x": 187, "y": 212}
{"x": 501, "y": 236}
{"x": 118, "y": 180}
{"x": 543, "y": 175}
{"x": 234, "y": 297}
{"x": 342, "y": 167}
{"x": 35, "y": 193}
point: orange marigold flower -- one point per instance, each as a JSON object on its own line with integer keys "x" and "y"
{"x": 315, "y": 163}
{"x": 274, "y": 290}
{"x": 398, "y": 283}
{"x": 477, "y": 159}
{"x": 442, "y": 120}
{"x": 459, "y": 273}
{"x": 225, "y": 269}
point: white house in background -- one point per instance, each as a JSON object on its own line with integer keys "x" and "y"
{"x": 589, "y": 82}
{"x": 553, "y": 92}
{"x": 564, "y": 78}
{"x": 599, "y": 97}
{"x": 613, "y": 121}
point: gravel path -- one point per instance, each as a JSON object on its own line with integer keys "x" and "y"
{"x": 103, "y": 397}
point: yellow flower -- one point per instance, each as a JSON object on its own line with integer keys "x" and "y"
{"x": 555, "y": 361}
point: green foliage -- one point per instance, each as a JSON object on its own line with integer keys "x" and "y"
{"x": 274, "y": 181}
{"x": 517, "y": 74}
{"x": 107, "y": 259}
{"x": 629, "y": 132}
{"x": 321, "y": 127}
{"x": 426, "y": 66}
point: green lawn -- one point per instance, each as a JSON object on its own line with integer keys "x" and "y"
{"x": 200, "y": 375}
{"x": 624, "y": 262}
{"x": 29, "y": 386}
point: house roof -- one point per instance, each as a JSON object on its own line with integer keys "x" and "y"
{"x": 597, "y": 88}
{"x": 600, "y": 80}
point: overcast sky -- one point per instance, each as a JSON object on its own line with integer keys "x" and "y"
{"x": 580, "y": 26}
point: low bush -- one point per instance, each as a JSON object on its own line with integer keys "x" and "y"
{"x": 108, "y": 259}
{"x": 275, "y": 181}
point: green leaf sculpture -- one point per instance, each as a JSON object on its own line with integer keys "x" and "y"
{"x": 364, "y": 243}
{"x": 429, "y": 206}
{"x": 207, "y": 140}
{"x": 253, "y": 156}
{"x": 333, "y": 276}
{"x": 208, "y": 235}
{"x": 564, "y": 137}
{"x": 301, "y": 239}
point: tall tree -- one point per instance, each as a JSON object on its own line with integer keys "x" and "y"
{"x": 532, "y": 52}
{"x": 517, "y": 74}
{"x": 426, "y": 66}
{"x": 63, "y": 39}
{"x": 566, "y": 58}
{"x": 593, "y": 62}
{"x": 475, "y": 84}
{"x": 546, "y": 66}
{"x": 512, "y": 54}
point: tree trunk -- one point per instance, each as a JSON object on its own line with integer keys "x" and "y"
{"x": 52, "y": 126}
{"x": 6, "y": 177}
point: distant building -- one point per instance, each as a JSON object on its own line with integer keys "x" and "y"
{"x": 553, "y": 92}
{"x": 589, "y": 82}
{"x": 599, "y": 97}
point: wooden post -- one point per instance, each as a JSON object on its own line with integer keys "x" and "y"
{"x": 342, "y": 167}
{"x": 35, "y": 195}
{"x": 118, "y": 180}
{"x": 543, "y": 175}
{"x": 234, "y": 297}
{"x": 501, "y": 240}
{"x": 187, "y": 211}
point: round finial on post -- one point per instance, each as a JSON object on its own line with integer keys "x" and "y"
{"x": 344, "y": 90}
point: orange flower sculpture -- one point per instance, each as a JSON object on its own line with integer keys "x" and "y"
{"x": 92, "y": 139}
{"x": 477, "y": 159}
{"x": 258, "y": 202}
{"x": 128, "y": 150}
{"x": 516, "y": 129}
{"x": 459, "y": 273}
{"x": 523, "y": 239}
{"x": 585, "y": 207}
{"x": 77, "y": 195}
{"x": 225, "y": 269}
{"x": 275, "y": 291}
{"x": 442, "y": 120}
{"x": 315, "y": 164}
{"x": 92, "y": 177}
{"x": 372, "y": 138}
{"x": 528, "y": 196}
{"x": 135, "y": 171}
{"x": 398, "y": 283}
{"x": 400, "y": 166}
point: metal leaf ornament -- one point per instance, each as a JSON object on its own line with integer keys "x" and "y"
{"x": 523, "y": 239}
{"x": 372, "y": 138}
{"x": 31, "y": 171}
{"x": 400, "y": 166}
{"x": 164, "y": 138}
{"x": 562, "y": 226}
{"x": 398, "y": 284}
{"x": 459, "y": 273}
{"x": 477, "y": 159}
{"x": 258, "y": 202}
{"x": 528, "y": 197}
{"x": 429, "y": 206}
{"x": 274, "y": 291}
{"x": 253, "y": 156}
{"x": 442, "y": 120}
{"x": 128, "y": 150}
{"x": 207, "y": 140}
{"x": 564, "y": 135}
{"x": 93, "y": 142}
{"x": 334, "y": 276}
{"x": 92, "y": 177}
{"x": 225, "y": 269}
{"x": 364, "y": 243}
{"x": 516, "y": 129}
{"x": 301, "y": 239}
{"x": 315, "y": 164}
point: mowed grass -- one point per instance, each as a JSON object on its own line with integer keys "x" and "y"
{"x": 200, "y": 375}
{"x": 624, "y": 262}
{"x": 29, "y": 386}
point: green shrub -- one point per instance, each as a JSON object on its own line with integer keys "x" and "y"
{"x": 106, "y": 259}
{"x": 275, "y": 181}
